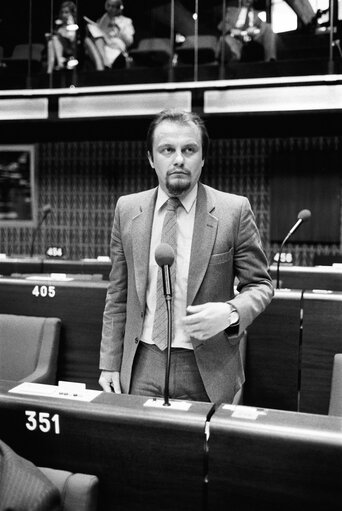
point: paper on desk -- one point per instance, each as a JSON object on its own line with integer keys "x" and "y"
{"x": 59, "y": 392}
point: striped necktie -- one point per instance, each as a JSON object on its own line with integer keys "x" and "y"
{"x": 169, "y": 235}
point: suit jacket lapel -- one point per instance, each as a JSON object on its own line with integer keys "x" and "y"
{"x": 203, "y": 239}
{"x": 141, "y": 239}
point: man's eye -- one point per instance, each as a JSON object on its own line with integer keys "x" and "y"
{"x": 189, "y": 150}
{"x": 167, "y": 150}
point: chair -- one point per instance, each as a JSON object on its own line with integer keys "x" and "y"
{"x": 21, "y": 54}
{"x": 207, "y": 50}
{"x": 335, "y": 404}
{"x": 155, "y": 52}
{"x": 29, "y": 348}
{"x": 79, "y": 492}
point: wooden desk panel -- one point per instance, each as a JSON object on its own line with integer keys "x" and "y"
{"x": 274, "y": 460}
{"x": 80, "y": 307}
{"x": 272, "y": 354}
{"x": 146, "y": 458}
{"x": 322, "y": 338}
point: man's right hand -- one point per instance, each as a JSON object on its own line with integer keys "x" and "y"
{"x": 110, "y": 381}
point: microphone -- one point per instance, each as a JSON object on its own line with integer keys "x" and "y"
{"x": 302, "y": 216}
{"x": 46, "y": 210}
{"x": 165, "y": 256}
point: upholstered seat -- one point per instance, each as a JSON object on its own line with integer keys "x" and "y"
{"x": 79, "y": 492}
{"x": 207, "y": 50}
{"x": 29, "y": 348}
{"x": 18, "y": 61}
{"x": 152, "y": 52}
{"x": 335, "y": 404}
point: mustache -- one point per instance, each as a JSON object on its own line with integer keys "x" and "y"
{"x": 178, "y": 171}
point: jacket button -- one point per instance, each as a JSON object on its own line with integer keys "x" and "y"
{"x": 136, "y": 340}
{"x": 142, "y": 314}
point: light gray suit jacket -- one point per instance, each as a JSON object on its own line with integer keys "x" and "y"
{"x": 226, "y": 244}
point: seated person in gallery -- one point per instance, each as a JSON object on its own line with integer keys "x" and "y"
{"x": 62, "y": 43}
{"x": 306, "y": 14}
{"x": 112, "y": 34}
{"x": 242, "y": 25}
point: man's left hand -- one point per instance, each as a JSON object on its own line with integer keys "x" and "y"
{"x": 206, "y": 320}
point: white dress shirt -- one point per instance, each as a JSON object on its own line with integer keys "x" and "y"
{"x": 185, "y": 228}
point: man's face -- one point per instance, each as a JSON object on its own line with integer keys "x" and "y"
{"x": 177, "y": 156}
{"x": 113, "y": 7}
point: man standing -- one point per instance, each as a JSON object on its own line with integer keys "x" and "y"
{"x": 216, "y": 240}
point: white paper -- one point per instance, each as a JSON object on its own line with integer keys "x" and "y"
{"x": 68, "y": 390}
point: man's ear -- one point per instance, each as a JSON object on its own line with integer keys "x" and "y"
{"x": 150, "y": 159}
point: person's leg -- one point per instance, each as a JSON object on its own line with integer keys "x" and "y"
{"x": 303, "y": 9}
{"x": 233, "y": 48}
{"x": 185, "y": 379}
{"x": 148, "y": 375}
{"x": 50, "y": 57}
{"x": 58, "y": 49}
{"x": 101, "y": 47}
{"x": 267, "y": 38}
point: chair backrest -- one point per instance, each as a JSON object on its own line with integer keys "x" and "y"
{"x": 207, "y": 49}
{"x": 29, "y": 348}
{"x": 79, "y": 492}
{"x": 22, "y": 51}
{"x": 154, "y": 51}
{"x": 335, "y": 404}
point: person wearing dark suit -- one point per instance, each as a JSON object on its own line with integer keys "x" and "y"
{"x": 23, "y": 487}
{"x": 241, "y": 26}
{"x": 217, "y": 242}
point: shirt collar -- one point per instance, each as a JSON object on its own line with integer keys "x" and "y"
{"x": 187, "y": 201}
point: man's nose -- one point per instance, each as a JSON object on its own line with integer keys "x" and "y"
{"x": 179, "y": 158}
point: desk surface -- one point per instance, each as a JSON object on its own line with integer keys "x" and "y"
{"x": 269, "y": 459}
{"x": 309, "y": 277}
{"x": 23, "y": 265}
{"x": 146, "y": 458}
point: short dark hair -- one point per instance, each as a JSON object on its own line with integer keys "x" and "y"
{"x": 69, "y": 5}
{"x": 182, "y": 117}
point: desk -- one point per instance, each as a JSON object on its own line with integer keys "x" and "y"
{"x": 274, "y": 460}
{"x": 12, "y": 265}
{"x": 79, "y": 305}
{"x": 272, "y": 358}
{"x": 308, "y": 277}
{"x": 322, "y": 338}
{"x": 146, "y": 458}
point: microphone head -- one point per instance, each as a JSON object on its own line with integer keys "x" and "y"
{"x": 164, "y": 255}
{"x": 47, "y": 208}
{"x": 304, "y": 215}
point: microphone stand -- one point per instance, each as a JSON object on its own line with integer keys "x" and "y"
{"x": 168, "y": 300}
{"x": 36, "y": 230}
{"x": 278, "y": 262}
